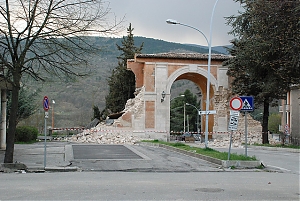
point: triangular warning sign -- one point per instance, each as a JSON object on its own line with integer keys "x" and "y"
{"x": 246, "y": 105}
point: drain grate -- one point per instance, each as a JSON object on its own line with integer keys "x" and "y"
{"x": 108, "y": 152}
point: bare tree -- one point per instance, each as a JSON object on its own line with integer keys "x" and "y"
{"x": 43, "y": 38}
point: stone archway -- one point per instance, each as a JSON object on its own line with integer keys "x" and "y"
{"x": 155, "y": 73}
{"x": 197, "y": 75}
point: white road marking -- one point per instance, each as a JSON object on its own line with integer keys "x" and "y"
{"x": 279, "y": 168}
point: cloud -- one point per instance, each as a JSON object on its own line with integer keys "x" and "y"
{"x": 148, "y": 19}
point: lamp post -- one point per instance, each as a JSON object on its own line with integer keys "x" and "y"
{"x": 53, "y": 102}
{"x": 169, "y": 21}
{"x": 197, "y": 116}
{"x": 184, "y": 118}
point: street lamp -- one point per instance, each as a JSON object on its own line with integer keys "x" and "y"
{"x": 53, "y": 102}
{"x": 198, "y": 112}
{"x": 163, "y": 95}
{"x": 169, "y": 21}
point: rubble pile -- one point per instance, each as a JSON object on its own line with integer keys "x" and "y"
{"x": 238, "y": 139}
{"x": 103, "y": 134}
{"x": 103, "y": 137}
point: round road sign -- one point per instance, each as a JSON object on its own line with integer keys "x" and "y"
{"x": 236, "y": 103}
{"x": 46, "y": 103}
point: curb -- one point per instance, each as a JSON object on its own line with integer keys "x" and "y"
{"x": 17, "y": 167}
{"x": 223, "y": 163}
{"x": 61, "y": 169}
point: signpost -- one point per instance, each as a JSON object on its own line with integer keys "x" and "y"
{"x": 248, "y": 106}
{"x": 208, "y": 112}
{"x": 233, "y": 124}
{"x": 46, "y": 106}
{"x": 244, "y": 104}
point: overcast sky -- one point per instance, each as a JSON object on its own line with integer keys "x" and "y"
{"x": 148, "y": 18}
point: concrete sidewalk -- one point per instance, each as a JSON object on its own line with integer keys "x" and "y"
{"x": 32, "y": 155}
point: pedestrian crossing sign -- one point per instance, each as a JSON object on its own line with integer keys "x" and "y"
{"x": 248, "y": 103}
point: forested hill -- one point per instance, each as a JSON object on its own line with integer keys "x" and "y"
{"x": 159, "y": 46}
{"x": 151, "y": 46}
{"x": 74, "y": 99}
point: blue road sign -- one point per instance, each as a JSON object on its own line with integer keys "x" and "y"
{"x": 46, "y": 103}
{"x": 248, "y": 103}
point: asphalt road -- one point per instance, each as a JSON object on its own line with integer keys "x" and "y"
{"x": 150, "y": 186}
{"x": 135, "y": 158}
{"x": 147, "y": 173}
{"x": 280, "y": 159}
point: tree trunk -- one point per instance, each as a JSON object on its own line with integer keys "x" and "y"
{"x": 265, "y": 139}
{"x": 10, "y": 136}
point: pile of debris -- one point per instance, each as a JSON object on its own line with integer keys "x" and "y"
{"x": 238, "y": 140}
{"x": 103, "y": 137}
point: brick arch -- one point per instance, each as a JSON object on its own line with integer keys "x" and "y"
{"x": 185, "y": 72}
{"x": 155, "y": 74}
{"x": 197, "y": 75}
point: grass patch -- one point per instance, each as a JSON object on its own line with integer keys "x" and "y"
{"x": 278, "y": 145}
{"x": 205, "y": 151}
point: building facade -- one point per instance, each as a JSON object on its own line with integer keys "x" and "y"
{"x": 290, "y": 110}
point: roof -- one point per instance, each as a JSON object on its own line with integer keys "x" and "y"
{"x": 192, "y": 56}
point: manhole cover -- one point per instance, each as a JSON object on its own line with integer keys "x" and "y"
{"x": 210, "y": 190}
{"x": 103, "y": 152}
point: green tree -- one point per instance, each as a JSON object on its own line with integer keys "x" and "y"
{"x": 44, "y": 38}
{"x": 177, "y": 112}
{"x": 26, "y": 104}
{"x": 274, "y": 122}
{"x": 122, "y": 81}
{"x": 266, "y": 52}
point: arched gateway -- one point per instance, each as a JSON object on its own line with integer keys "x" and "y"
{"x": 155, "y": 74}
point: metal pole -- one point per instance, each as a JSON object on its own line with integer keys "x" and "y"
{"x": 246, "y": 133}
{"x": 198, "y": 122}
{"x": 208, "y": 75}
{"x": 45, "y": 141}
{"x": 52, "y": 116}
{"x": 184, "y": 118}
{"x": 230, "y": 145}
{"x": 188, "y": 123}
{"x": 198, "y": 111}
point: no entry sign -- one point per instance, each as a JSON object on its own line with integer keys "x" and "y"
{"x": 46, "y": 103}
{"x": 236, "y": 103}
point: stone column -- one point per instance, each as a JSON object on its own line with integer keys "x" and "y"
{"x": 162, "y": 105}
